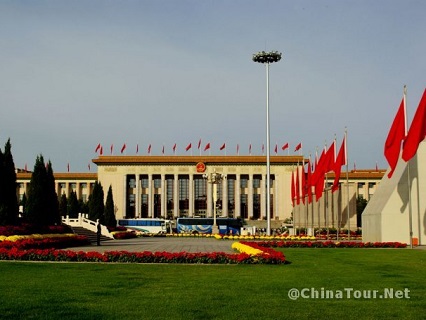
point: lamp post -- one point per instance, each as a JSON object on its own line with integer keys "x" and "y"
{"x": 267, "y": 58}
{"x": 214, "y": 179}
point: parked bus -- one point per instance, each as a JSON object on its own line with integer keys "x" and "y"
{"x": 146, "y": 225}
{"x": 205, "y": 225}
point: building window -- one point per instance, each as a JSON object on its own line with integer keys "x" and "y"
{"x": 170, "y": 192}
{"x": 144, "y": 205}
{"x": 200, "y": 196}
{"x": 131, "y": 181}
{"x": 231, "y": 195}
{"x": 144, "y": 182}
{"x": 157, "y": 182}
{"x": 244, "y": 181}
{"x": 256, "y": 181}
{"x": 183, "y": 195}
{"x": 244, "y": 206}
{"x": 256, "y": 206}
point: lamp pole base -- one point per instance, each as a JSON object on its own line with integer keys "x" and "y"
{"x": 215, "y": 230}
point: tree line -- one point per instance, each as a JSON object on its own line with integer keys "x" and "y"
{"x": 42, "y": 206}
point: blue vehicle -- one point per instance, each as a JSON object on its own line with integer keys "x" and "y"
{"x": 205, "y": 225}
{"x": 146, "y": 224}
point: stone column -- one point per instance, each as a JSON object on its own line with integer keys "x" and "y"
{"x": 150, "y": 198}
{"x": 237, "y": 188}
{"x": 250, "y": 196}
{"x": 263, "y": 196}
{"x": 176, "y": 196}
{"x": 163, "y": 196}
{"x": 225, "y": 197}
{"x": 191, "y": 195}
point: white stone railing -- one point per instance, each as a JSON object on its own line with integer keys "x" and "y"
{"x": 83, "y": 221}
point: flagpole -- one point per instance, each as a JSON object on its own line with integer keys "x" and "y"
{"x": 347, "y": 184}
{"x": 410, "y": 210}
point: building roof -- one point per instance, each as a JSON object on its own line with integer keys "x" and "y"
{"x": 192, "y": 160}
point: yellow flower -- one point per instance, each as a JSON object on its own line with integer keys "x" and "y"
{"x": 246, "y": 249}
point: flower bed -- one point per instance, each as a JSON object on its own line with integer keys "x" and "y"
{"x": 26, "y": 229}
{"x": 240, "y": 237}
{"x": 55, "y": 242}
{"x": 328, "y": 244}
{"x": 137, "y": 257}
{"x": 46, "y": 249}
{"x": 124, "y": 234}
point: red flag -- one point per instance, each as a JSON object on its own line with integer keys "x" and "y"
{"x": 98, "y": 147}
{"x": 354, "y": 166}
{"x": 396, "y": 135}
{"x": 284, "y": 146}
{"x": 88, "y": 166}
{"x": 68, "y": 167}
{"x": 189, "y": 146}
{"x": 174, "y": 148}
{"x": 102, "y": 151}
{"x": 340, "y": 161}
{"x": 26, "y": 168}
{"x": 149, "y": 149}
{"x": 417, "y": 131}
{"x": 223, "y": 147}
{"x": 137, "y": 148}
{"x": 276, "y": 148}
{"x": 250, "y": 149}
{"x": 199, "y": 144}
{"x": 298, "y": 147}
{"x": 162, "y": 151}
{"x": 297, "y": 186}
{"x": 377, "y": 167}
{"x": 112, "y": 148}
{"x": 309, "y": 182}
{"x": 238, "y": 149}
{"x": 207, "y": 146}
{"x": 123, "y": 148}
{"x": 324, "y": 165}
{"x": 293, "y": 189}
{"x": 263, "y": 148}
{"x": 330, "y": 158}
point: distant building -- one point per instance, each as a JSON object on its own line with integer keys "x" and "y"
{"x": 176, "y": 186}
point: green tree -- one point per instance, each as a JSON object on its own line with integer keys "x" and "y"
{"x": 8, "y": 200}
{"x": 96, "y": 203}
{"x": 73, "y": 206}
{"x": 63, "y": 205}
{"x": 42, "y": 203}
{"x": 35, "y": 212}
{"x": 361, "y": 203}
{"x": 83, "y": 206}
{"x": 23, "y": 203}
{"x": 53, "y": 215}
{"x": 110, "y": 220}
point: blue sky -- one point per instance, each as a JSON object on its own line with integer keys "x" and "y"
{"x": 78, "y": 73}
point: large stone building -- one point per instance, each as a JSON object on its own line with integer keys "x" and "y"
{"x": 175, "y": 186}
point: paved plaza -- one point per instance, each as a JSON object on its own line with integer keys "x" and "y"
{"x": 167, "y": 244}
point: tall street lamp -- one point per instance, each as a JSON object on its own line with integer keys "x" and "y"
{"x": 214, "y": 179}
{"x": 267, "y": 58}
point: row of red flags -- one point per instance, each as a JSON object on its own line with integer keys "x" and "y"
{"x": 99, "y": 148}
{"x": 309, "y": 181}
{"x": 398, "y": 135}
{"x": 399, "y": 143}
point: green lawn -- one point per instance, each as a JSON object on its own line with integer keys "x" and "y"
{"x": 34, "y": 290}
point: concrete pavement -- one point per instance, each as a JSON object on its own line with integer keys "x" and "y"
{"x": 167, "y": 244}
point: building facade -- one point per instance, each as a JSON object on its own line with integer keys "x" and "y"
{"x": 178, "y": 186}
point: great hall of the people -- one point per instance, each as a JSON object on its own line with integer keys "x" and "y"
{"x": 176, "y": 186}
